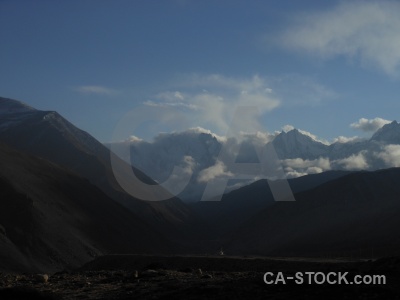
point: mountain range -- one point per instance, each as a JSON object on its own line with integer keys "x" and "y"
{"x": 300, "y": 153}
{"x": 356, "y": 215}
{"x": 61, "y": 206}
{"x": 45, "y": 138}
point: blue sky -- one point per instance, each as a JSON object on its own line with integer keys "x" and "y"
{"x": 316, "y": 65}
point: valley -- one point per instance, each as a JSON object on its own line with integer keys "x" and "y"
{"x": 63, "y": 213}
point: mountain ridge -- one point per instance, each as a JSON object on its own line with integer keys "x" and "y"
{"x": 48, "y": 135}
{"x": 347, "y": 216}
{"x": 299, "y": 154}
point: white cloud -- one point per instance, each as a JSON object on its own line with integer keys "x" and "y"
{"x": 313, "y": 136}
{"x": 96, "y": 89}
{"x": 343, "y": 139}
{"x": 354, "y": 162}
{"x": 287, "y": 128}
{"x": 218, "y": 81}
{"x": 295, "y": 174}
{"x": 196, "y": 130}
{"x": 305, "y": 166}
{"x": 134, "y": 139}
{"x": 212, "y": 99}
{"x": 170, "y": 96}
{"x": 390, "y": 155}
{"x": 296, "y": 89}
{"x": 187, "y": 165}
{"x": 216, "y": 171}
{"x": 258, "y": 138}
{"x": 365, "y": 30}
{"x": 314, "y": 170}
{"x": 171, "y": 104}
{"x": 298, "y": 167}
{"x": 371, "y": 125}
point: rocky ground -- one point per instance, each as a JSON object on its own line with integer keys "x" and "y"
{"x": 156, "y": 277}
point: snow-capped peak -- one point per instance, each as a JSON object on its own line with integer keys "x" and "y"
{"x": 389, "y": 133}
{"x": 296, "y": 143}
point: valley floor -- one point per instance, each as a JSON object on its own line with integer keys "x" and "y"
{"x": 188, "y": 277}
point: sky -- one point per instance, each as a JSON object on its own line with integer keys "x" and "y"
{"x": 331, "y": 68}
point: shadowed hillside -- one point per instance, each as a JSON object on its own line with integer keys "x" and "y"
{"x": 50, "y": 218}
{"x": 355, "y": 215}
{"x": 48, "y": 135}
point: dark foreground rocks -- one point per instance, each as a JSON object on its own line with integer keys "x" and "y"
{"x": 154, "y": 277}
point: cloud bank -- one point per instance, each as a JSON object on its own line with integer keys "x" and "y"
{"x": 211, "y": 100}
{"x": 367, "y": 31}
{"x": 196, "y": 151}
{"x": 390, "y": 155}
{"x": 371, "y": 125}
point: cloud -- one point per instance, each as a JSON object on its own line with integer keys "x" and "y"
{"x": 97, "y": 90}
{"x": 258, "y": 138}
{"x": 368, "y": 31}
{"x": 134, "y": 139}
{"x": 343, "y": 139}
{"x": 196, "y": 130}
{"x": 186, "y": 168}
{"x": 170, "y": 96}
{"x": 211, "y": 100}
{"x": 295, "y": 174}
{"x": 314, "y": 137}
{"x": 216, "y": 171}
{"x": 298, "y": 167}
{"x": 354, "y": 162}
{"x": 287, "y": 128}
{"x": 296, "y": 89}
{"x": 196, "y": 151}
{"x": 173, "y": 104}
{"x": 371, "y": 125}
{"x": 390, "y": 155}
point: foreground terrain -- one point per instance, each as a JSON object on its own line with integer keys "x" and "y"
{"x": 184, "y": 277}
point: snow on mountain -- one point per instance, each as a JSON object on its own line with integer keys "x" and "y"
{"x": 389, "y": 134}
{"x": 294, "y": 144}
{"x": 196, "y": 151}
{"x": 193, "y": 150}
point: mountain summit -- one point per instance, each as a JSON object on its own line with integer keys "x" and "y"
{"x": 48, "y": 135}
{"x": 294, "y": 144}
{"x": 9, "y": 106}
{"x": 389, "y": 133}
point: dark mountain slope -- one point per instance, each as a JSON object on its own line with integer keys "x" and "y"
{"x": 48, "y": 135}
{"x": 357, "y": 214}
{"x": 240, "y": 205}
{"x": 50, "y": 218}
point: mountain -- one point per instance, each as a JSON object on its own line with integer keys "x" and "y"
{"x": 238, "y": 206}
{"x": 197, "y": 151}
{"x": 51, "y": 219}
{"x": 294, "y": 144}
{"x": 193, "y": 150}
{"x": 354, "y": 215}
{"x": 48, "y": 135}
{"x": 388, "y": 134}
